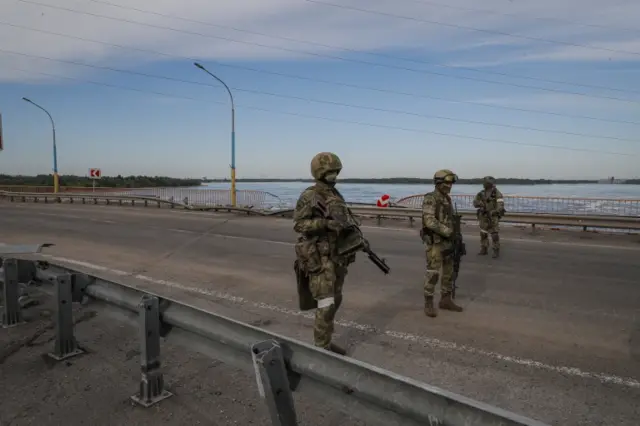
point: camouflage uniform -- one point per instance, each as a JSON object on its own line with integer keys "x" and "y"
{"x": 316, "y": 247}
{"x": 437, "y": 233}
{"x": 490, "y": 205}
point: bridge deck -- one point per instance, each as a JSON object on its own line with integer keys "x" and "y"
{"x": 551, "y": 330}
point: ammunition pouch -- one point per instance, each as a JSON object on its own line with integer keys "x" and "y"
{"x": 427, "y": 236}
{"x": 305, "y": 298}
{"x": 308, "y": 256}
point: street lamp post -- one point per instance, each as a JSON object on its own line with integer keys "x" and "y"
{"x": 56, "y": 179}
{"x": 233, "y": 134}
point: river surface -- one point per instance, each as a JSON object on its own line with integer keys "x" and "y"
{"x": 607, "y": 199}
{"x": 288, "y": 192}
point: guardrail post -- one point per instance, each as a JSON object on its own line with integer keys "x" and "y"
{"x": 152, "y": 388}
{"x": 66, "y": 345}
{"x": 12, "y": 312}
{"x": 273, "y": 383}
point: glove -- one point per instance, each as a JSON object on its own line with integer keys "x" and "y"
{"x": 447, "y": 233}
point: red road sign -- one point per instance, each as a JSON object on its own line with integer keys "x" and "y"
{"x": 95, "y": 173}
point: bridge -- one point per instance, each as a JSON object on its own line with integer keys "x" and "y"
{"x": 550, "y": 331}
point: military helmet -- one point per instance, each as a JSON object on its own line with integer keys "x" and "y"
{"x": 323, "y": 163}
{"x": 489, "y": 179}
{"x": 444, "y": 176}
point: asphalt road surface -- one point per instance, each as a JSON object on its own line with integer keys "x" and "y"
{"x": 551, "y": 330}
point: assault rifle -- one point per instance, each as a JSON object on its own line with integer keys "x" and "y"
{"x": 459, "y": 248}
{"x": 350, "y": 238}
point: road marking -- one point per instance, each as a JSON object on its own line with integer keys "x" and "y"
{"x": 75, "y": 217}
{"x": 427, "y": 341}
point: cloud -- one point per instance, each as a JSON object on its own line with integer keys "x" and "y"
{"x": 299, "y": 19}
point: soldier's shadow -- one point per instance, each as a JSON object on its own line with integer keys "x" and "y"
{"x": 377, "y": 318}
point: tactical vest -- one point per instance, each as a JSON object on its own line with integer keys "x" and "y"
{"x": 491, "y": 202}
{"x": 443, "y": 214}
{"x": 340, "y": 248}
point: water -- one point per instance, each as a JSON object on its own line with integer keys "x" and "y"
{"x": 289, "y": 192}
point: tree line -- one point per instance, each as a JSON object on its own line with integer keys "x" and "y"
{"x": 106, "y": 181}
{"x": 120, "y": 181}
{"x": 423, "y": 181}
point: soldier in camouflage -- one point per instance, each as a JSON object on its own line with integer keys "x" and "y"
{"x": 437, "y": 235}
{"x": 490, "y": 205}
{"x": 316, "y": 247}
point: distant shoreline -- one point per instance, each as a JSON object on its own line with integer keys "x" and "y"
{"x": 418, "y": 181}
{"x": 165, "y": 181}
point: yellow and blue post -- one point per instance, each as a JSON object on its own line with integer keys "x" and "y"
{"x": 233, "y": 153}
{"x": 56, "y": 178}
{"x": 233, "y": 133}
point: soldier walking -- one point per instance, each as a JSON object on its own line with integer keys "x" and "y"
{"x": 490, "y": 205}
{"x": 437, "y": 235}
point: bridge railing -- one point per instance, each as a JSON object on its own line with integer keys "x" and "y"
{"x": 613, "y": 223}
{"x": 281, "y": 364}
{"x": 266, "y": 200}
{"x": 551, "y": 205}
{"x": 189, "y": 196}
{"x": 209, "y": 197}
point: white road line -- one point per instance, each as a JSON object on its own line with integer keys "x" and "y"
{"x": 427, "y": 341}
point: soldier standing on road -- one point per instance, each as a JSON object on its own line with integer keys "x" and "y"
{"x": 490, "y": 205}
{"x": 437, "y": 235}
{"x": 321, "y": 270}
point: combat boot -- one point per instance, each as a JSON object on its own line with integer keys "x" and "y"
{"x": 446, "y": 302}
{"x": 337, "y": 349}
{"x": 496, "y": 253}
{"x": 429, "y": 310}
{"x": 483, "y": 251}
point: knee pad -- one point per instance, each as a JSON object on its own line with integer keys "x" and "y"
{"x": 495, "y": 237}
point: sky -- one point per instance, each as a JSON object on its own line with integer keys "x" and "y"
{"x": 544, "y": 89}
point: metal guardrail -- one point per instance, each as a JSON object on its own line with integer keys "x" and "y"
{"x": 281, "y": 364}
{"x": 533, "y": 219}
{"x": 129, "y": 200}
{"x": 190, "y": 196}
{"x": 586, "y": 221}
{"x": 262, "y": 199}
